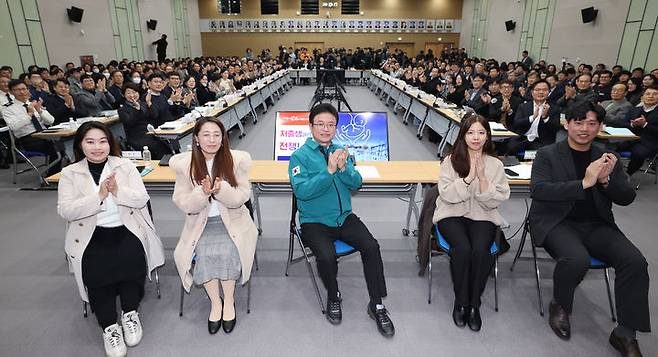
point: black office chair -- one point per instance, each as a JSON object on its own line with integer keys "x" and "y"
{"x": 342, "y": 249}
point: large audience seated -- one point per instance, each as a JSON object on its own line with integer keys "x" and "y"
{"x": 573, "y": 185}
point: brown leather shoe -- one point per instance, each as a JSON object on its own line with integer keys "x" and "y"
{"x": 628, "y": 347}
{"x": 559, "y": 321}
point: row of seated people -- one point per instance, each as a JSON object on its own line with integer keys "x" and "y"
{"x": 574, "y": 184}
{"x": 531, "y": 103}
{"x": 157, "y": 98}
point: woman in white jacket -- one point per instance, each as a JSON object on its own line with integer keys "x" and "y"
{"x": 111, "y": 243}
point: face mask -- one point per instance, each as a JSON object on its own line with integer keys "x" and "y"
{"x": 137, "y": 80}
{"x": 95, "y": 70}
{"x": 107, "y": 75}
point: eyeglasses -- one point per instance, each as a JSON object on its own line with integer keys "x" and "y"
{"x": 324, "y": 125}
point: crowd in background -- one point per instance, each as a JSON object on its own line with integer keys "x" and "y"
{"x": 154, "y": 92}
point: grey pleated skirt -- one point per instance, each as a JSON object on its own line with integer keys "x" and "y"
{"x": 217, "y": 256}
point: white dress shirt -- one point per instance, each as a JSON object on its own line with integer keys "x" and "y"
{"x": 533, "y": 132}
{"x": 20, "y": 122}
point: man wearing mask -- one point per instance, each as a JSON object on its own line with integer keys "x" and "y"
{"x": 60, "y": 104}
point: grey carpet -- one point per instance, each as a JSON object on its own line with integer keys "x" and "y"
{"x": 40, "y": 311}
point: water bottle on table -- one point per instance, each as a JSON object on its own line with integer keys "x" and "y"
{"x": 146, "y": 156}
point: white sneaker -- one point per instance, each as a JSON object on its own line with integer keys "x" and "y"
{"x": 114, "y": 344}
{"x": 132, "y": 328}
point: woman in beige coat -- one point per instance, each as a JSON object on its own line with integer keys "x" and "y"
{"x": 212, "y": 186}
{"x": 111, "y": 243}
{"x": 472, "y": 185}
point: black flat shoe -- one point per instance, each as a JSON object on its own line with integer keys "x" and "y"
{"x": 229, "y": 325}
{"x": 213, "y": 326}
{"x": 559, "y": 321}
{"x": 459, "y": 315}
{"x": 474, "y": 319}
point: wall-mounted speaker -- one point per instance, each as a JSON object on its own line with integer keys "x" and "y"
{"x": 151, "y": 24}
{"x": 75, "y": 14}
{"x": 589, "y": 14}
{"x": 510, "y": 25}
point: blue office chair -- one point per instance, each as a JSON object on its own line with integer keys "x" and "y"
{"x": 594, "y": 264}
{"x": 444, "y": 247}
{"x": 342, "y": 249}
{"x": 18, "y": 154}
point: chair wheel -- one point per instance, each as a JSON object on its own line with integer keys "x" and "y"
{"x": 260, "y": 231}
{"x": 405, "y": 232}
{"x": 415, "y": 233}
{"x": 255, "y": 121}
{"x": 420, "y": 137}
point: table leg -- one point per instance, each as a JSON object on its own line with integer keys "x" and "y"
{"x": 256, "y": 206}
{"x": 411, "y": 207}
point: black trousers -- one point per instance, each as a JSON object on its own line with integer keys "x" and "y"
{"x": 30, "y": 143}
{"x": 103, "y": 299}
{"x": 521, "y": 143}
{"x": 639, "y": 153}
{"x": 572, "y": 243}
{"x": 320, "y": 239}
{"x": 470, "y": 256}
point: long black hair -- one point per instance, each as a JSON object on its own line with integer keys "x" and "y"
{"x": 115, "y": 149}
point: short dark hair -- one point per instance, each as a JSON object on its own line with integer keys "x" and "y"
{"x": 15, "y": 83}
{"x": 578, "y": 111}
{"x": 605, "y": 71}
{"x": 130, "y": 85}
{"x": 85, "y": 76}
{"x": 61, "y": 80}
{"x": 481, "y": 76}
{"x": 115, "y": 149}
{"x": 173, "y": 74}
{"x": 322, "y": 108}
{"x": 155, "y": 75}
{"x": 540, "y": 82}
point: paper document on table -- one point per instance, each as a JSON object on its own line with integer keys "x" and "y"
{"x": 368, "y": 172}
{"x": 497, "y": 126}
{"x": 523, "y": 170}
{"x": 618, "y": 131}
{"x": 172, "y": 125}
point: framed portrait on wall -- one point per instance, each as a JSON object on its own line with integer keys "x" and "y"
{"x": 221, "y": 25}
{"x": 334, "y": 25}
{"x": 439, "y": 25}
{"x": 421, "y": 25}
{"x": 449, "y": 25}
{"x": 395, "y": 25}
{"x": 247, "y": 25}
{"x": 265, "y": 24}
{"x": 411, "y": 25}
{"x": 342, "y": 25}
{"x": 238, "y": 25}
{"x": 386, "y": 24}
{"x": 429, "y": 25}
{"x": 212, "y": 26}
{"x": 325, "y": 25}
{"x": 230, "y": 25}
{"x": 351, "y": 25}
{"x": 368, "y": 24}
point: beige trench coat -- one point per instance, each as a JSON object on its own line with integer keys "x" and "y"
{"x": 78, "y": 203}
{"x": 189, "y": 197}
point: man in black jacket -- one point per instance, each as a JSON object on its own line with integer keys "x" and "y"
{"x": 537, "y": 122}
{"x": 60, "y": 104}
{"x": 644, "y": 123}
{"x": 573, "y": 187}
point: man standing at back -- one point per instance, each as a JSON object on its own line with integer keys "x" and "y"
{"x": 161, "y": 48}
{"x": 322, "y": 176}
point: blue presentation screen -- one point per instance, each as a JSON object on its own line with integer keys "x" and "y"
{"x": 365, "y": 134}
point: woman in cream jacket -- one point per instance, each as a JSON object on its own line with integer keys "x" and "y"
{"x": 472, "y": 185}
{"x": 212, "y": 186}
{"x": 111, "y": 243}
